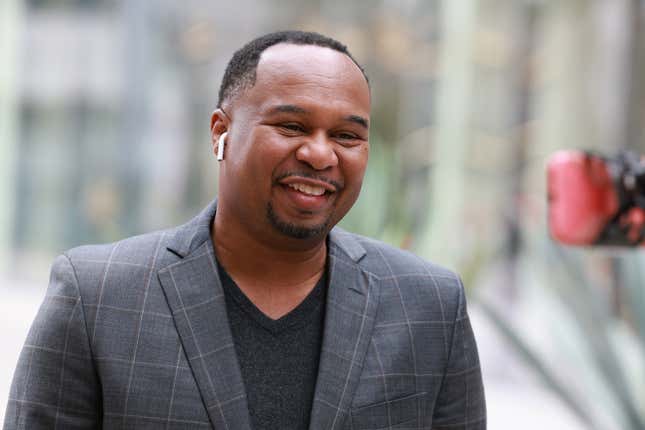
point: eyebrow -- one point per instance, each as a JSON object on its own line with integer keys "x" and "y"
{"x": 358, "y": 120}
{"x": 297, "y": 109}
{"x": 287, "y": 109}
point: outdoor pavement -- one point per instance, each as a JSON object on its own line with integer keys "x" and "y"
{"x": 515, "y": 398}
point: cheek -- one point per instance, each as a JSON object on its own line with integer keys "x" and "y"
{"x": 354, "y": 164}
{"x": 265, "y": 158}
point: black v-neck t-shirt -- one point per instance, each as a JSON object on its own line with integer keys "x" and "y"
{"x": 278, "y": 358}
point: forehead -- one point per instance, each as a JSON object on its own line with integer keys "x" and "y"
{"x": 303, "y": 74}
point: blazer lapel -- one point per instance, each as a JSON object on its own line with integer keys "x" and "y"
{"x": 352, "y": 299}
{"x": 196, "y": 299}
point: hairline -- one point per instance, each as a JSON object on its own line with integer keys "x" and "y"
{"x": 245, "y": 86}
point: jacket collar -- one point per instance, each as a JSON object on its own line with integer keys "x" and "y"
{"x": 188, "y": 237}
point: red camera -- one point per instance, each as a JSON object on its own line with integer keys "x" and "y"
{"x": 595, "y": 200}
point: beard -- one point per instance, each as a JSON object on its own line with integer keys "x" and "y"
{"x": 293, "y": 230}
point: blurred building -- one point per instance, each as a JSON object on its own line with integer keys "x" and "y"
{"x": 111, "y": 102}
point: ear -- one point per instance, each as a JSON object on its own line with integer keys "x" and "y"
{"x": 219, "y": 125}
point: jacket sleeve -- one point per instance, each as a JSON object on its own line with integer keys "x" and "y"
{"x": 461, "y": 404}
{"x": 55, "y": 384}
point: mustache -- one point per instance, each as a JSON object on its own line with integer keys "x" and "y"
{"x": 303, "y": 174}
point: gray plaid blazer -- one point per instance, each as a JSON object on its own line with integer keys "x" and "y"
{"x": 134, "y": 335}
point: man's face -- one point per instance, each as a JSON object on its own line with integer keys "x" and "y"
{"x": 297, "y": 144}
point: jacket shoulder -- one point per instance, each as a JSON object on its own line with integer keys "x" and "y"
{"x": 120, "y": 269}
{"x": 133, "y": 250}
{"x": 384, "y": 260}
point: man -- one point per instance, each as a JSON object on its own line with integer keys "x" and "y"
{"x": 258, "y": 313}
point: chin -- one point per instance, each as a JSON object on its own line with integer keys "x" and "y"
{"x": 297, "y": 230}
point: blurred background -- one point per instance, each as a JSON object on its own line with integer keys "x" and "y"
{"x": 104, "y": 115}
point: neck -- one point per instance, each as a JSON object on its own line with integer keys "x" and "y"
{"x": 282, "y": 264}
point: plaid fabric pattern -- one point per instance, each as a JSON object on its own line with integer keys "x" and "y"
{"x": 134, "y": 335}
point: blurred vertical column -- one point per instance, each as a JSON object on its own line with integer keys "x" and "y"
{"x": 135, "y": 112}
{"x": 564, "y": 108}
{"x": 613, "y": 74}
{"x": 635, "y": 118}
{"x": 10, "y": 24}
{"x": 453, "y": 132}
{"x": 514, "y": 206}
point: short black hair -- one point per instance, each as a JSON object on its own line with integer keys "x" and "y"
{"x": 241, "y": 70}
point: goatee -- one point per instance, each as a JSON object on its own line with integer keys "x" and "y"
{"x": 293, "y": 230}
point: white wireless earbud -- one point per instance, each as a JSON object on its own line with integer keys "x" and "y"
{"x": 220, "y": 147}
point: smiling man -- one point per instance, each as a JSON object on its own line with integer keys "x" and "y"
{"x": 259, "y": 313}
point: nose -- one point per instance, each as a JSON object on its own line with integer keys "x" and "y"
{"x": 318, "y": 152}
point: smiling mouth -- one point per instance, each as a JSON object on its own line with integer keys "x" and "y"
{"x": 309, "y": 185}
{"x": 308, "y": 189}
{"x": 308, "y": 195}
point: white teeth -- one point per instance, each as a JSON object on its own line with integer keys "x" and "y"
{"x": 308, "y": 189}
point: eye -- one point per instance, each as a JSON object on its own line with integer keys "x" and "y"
{"x": 347, "y": 138}
{"x": 292, "y": 127}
